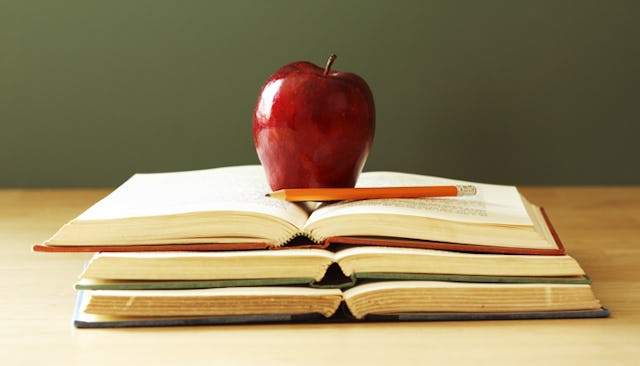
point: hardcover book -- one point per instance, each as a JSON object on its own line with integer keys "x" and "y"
{"x": 318, "y": 267}
{"x": 226, "y": 209}
{"x": 374, "y": 301}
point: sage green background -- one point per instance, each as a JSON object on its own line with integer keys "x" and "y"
{"x": 518, "y": 92}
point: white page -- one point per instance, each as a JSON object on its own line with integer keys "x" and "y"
{"x": 237, "y": 189}
{"x": 493, "y": 204}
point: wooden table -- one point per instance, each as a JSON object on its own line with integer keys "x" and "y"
{"x": 600, "y": 226}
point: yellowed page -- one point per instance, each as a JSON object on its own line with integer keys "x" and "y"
{"x": 249, "y": 264}
{"x": 227, "y": 301}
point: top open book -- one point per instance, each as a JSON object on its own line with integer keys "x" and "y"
{"x": 226, "y": 208}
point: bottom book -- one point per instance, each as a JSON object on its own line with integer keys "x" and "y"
{"x": 374, "y": 301}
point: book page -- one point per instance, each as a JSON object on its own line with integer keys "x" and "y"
{"x": 493, "y": 204}
{"x": 238, "y": 189}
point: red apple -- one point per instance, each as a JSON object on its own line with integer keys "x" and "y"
{"x": 313, "y": 127}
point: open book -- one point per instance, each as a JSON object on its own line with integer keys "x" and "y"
{"x": 396, "y": 300}
{"x": 183, "y": 270}
{"x": 226, "y": 208}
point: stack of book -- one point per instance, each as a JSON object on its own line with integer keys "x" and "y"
{"x": 208, "y": 247}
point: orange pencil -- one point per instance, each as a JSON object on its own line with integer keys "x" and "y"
{"x": 339, "y": 194}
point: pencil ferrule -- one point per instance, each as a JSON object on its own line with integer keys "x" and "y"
{"x": 466, "y": 190}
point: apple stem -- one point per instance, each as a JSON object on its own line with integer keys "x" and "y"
{"x": 329, "y": 63}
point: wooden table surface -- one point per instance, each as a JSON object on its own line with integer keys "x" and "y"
{"x": 600, "y": 227}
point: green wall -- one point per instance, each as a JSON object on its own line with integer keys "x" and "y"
{"x": 518, "y": 92}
